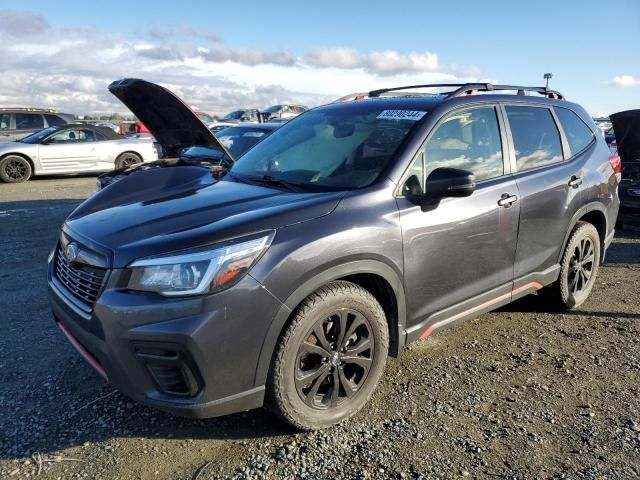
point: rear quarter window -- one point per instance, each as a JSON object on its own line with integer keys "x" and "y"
{"x": 54, "y": 120}
{"x": 536, "y": 139}
{"x": 579, "y": 136}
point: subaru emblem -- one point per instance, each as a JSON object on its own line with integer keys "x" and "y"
{"x": 71, "y": 252}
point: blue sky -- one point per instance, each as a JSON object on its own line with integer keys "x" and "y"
{"x": 314, "y": 51}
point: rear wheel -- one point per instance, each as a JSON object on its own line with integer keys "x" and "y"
{"x": 330, "y": 357}
{"x": 15, "y": 169}
{"x": 578, "y": 267}
{"x": 127, "y": 159}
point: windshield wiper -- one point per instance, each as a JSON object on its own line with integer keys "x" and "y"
{"x": 294, "y": 187}
{"x": 269, "y": 180}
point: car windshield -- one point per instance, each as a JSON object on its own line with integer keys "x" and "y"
{"x": 233, "y": 115}
{"x": 38, "y": 136}
{"x": 273, "y": 109}
{"x": 339, "y": 147}
{"x": 240, "y": 139}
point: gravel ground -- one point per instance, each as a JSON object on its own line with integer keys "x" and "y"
{"x": 517, "y": 393}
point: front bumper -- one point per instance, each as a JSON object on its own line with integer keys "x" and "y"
{"x": 143, "y": 342}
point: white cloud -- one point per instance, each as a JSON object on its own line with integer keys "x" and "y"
{"x": 70, "y": 68}
{"x": 624, "y": 81}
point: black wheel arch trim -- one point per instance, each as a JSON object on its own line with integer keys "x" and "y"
{"x": 590, "y": 207}
{"x": 314, "y": 283}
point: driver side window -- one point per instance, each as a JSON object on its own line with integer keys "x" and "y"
{"x": 73, "y": 136}
{"x": 467, "y": 139}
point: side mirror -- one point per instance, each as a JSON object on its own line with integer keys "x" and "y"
{"x": 445, "y": 182}
{"x": 450, "y": 182}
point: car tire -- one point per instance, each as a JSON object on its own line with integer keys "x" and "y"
{"x": 578, "y": 268}
{"x": 307, "y": 366}
{"x": 15, "y": 169}
{"x": 127, "y": 159}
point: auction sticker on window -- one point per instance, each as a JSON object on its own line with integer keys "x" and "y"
{"x": 414, "y": 115}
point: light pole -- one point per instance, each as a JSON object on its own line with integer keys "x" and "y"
{"x": 547, "y": 76}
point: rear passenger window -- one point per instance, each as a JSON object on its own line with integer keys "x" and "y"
{"x": 535, "y": 137}
{"x": 29, "y": 121}
{"x": 4, "y": 121}
{"x": 54, "y": 120}
{"x": 578, "y": 134}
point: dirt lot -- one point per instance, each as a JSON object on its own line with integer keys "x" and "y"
{"x": 518, "y": 393}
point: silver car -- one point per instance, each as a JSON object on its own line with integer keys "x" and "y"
{"x": 73, "y": 148}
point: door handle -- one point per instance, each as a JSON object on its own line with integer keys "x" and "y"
{"x": 506, "y": 200}
{"x": 575, "y": 181}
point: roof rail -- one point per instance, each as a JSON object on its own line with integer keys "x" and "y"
{"x": 28, "y": 109}
{"x": 462, "y": 89}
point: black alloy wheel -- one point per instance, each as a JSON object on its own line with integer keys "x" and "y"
{"x": 581, "y": 266}
{"x": 334, "y": 359}
{"x": 329, "y": 358}
{"x": 578, "y": 269}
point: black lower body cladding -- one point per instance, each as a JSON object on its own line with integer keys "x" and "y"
{"x": 195, "y": 357}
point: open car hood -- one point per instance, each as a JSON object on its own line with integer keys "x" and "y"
{"x": 173, "y": 124}
{"x": 626, "y": 126}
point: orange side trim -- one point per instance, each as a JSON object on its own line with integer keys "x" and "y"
{"x": 441, "y": 323}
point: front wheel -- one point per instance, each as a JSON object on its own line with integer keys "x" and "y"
{"x": 15, "y": 169}
{"x": 578, "y": 267}
{"x": 330, "y": 357}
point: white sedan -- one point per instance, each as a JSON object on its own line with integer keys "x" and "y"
{"x": 72, "y": 148}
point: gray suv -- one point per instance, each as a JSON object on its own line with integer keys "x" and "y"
{"x": 203, "y": 286}
{"x": 16, "y": 123}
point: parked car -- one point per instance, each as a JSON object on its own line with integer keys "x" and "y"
{"x": 350, "y": 232}
{"x": 243, "y": 115}
{"x": 240, "y": 138}
{"x": 236, "y": 117}
{"x": 113, "y": 125}
{"x": 610, "y": 136}
{"x": 206, "y": 118}
{"x": 627, "y": 146}
{"x": 16, "y": 123}
{"x": 279, "y": 121}
{"x": 217, "y": 126}
{"x": 282, "y": 111}
{"x": 71, "y": 148}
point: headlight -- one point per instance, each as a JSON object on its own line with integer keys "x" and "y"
{"x": 197, "y": 272}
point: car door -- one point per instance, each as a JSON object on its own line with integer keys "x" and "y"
{"x": 459, "y": 254}
{"x": 550, "y": 188}
{"x": 69, "y": 150}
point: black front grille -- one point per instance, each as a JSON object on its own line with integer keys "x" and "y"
{"x": 83, "y": 281}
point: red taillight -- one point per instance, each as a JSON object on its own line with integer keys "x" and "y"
{"x": 616, "y": 163}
